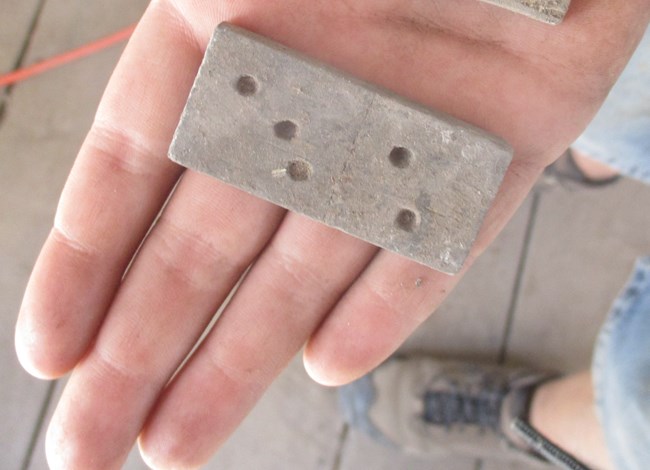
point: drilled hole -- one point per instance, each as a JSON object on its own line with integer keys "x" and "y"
{"x": 246, "y": 85}
{"x": 299, "y": 170}
{"x": 285, "y": 130}
{"x": 400, "y": 157}
{"x": 406, "y": 220}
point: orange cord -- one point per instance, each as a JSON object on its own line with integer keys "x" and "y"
{"x": 58, "y": 60}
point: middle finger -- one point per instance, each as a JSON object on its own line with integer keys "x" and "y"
{"x": 298, "y": 279}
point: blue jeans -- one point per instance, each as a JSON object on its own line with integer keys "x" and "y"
{"x": 620, "y": 137}
{"x": 621, "y": 372}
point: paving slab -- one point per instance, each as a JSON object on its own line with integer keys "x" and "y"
{"x": 360, "y": 452}
{"x": 582, "y": 251}
{"x": 500, "y": 465}
{"x": 45, "y": 122}
{"x": 15, "y": 21}
{"x": 37, "y": 460}
{"x": 14, "y": 32}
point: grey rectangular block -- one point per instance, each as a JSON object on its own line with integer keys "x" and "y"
{"x": 319, "y": 142}
{"x": 548, "y": 11}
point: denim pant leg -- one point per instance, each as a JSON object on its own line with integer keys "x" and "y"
{"x": 619, "y": 135}
{"x": 621, "y": 371}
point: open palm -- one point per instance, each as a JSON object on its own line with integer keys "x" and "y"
{"x": 125, "y": 336}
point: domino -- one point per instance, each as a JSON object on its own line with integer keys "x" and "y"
{"x": 319, "y": 142}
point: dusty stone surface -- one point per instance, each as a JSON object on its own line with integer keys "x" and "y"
{"x": 313, "y": 140}
{"x": 548, "y": 11}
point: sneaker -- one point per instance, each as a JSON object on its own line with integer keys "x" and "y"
{"x": 566, "y": 172}
{"x": 428, "y": 406}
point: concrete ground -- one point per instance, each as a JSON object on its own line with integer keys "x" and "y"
{"x": 536, "y": 297}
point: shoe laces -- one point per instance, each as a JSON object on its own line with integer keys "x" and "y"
{"x": 454, "y": 404}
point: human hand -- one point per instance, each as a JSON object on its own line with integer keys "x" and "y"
{"x": 535, "y": 85}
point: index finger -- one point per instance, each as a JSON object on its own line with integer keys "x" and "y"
{"x": 118, "y": 183}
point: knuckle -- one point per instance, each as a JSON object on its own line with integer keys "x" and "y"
{"x": 190, "y": 258}
{"x": 63, "y": 236}
{"x": 121, "y": 151}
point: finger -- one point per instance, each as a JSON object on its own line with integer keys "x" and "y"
{"x": 117, "y": 185}
{"x": 388, "y": 302}
{"x": 393, "y": 297}
{"x": 299, "y": 277}
{"x": 205, "y": 239}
